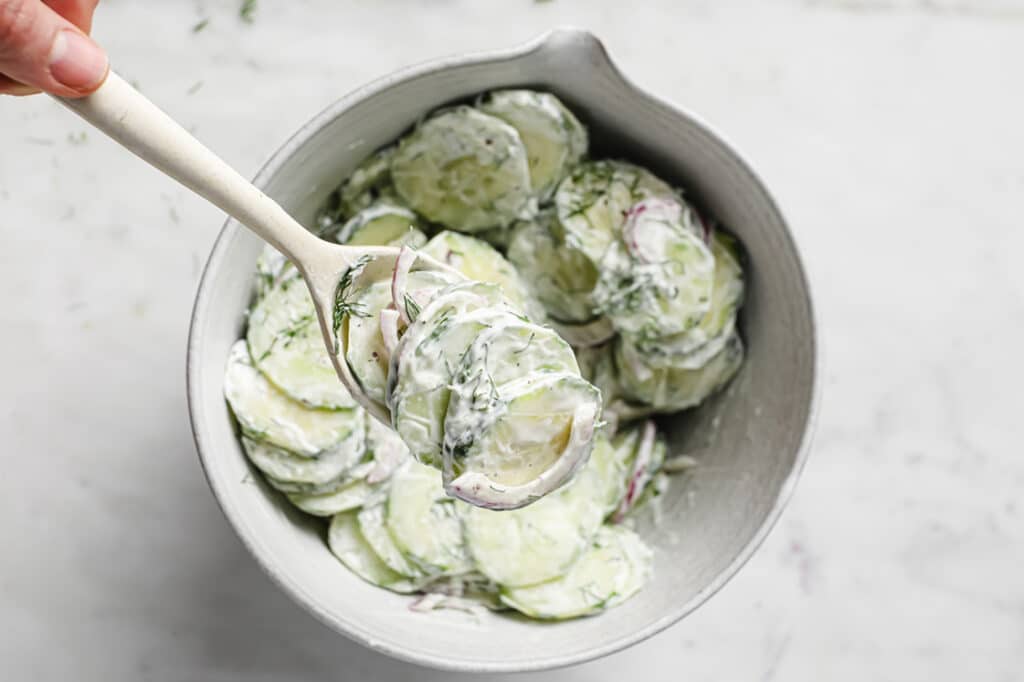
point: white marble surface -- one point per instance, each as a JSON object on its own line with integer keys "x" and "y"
{"x": 891, "y": 131}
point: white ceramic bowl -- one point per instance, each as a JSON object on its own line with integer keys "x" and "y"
{"x": 751, "y": 441}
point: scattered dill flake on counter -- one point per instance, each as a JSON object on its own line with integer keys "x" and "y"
{"x": 248, "y": 11}
{"x": 201, "y": 25}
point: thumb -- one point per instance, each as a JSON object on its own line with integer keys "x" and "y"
{"x": 40, "y": 48}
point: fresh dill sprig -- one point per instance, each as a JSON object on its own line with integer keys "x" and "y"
{"x": 343, "y": 307}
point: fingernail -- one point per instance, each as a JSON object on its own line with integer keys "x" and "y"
{"x": 77, "y": 62}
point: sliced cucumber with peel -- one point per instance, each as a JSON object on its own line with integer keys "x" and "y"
{"x": 368, "y": 182}
{"x": 541, "y": 541}
{"x": 311, "y": 472}
{"x": 287, "y": 346}
{"x": 693, "y": 348}
{"x": 353, "y": 495}
{"x": 373, "y": 525}
{"x": 465, "y": 170}
{"x": 423, "y": 521}
{"x": 561, "y": 277}
{"x": 511, "y": 349}
{"x": 481, "y": 262}
{"x": 426, "y": 357}
{"x": 383, "y": 223}
{"x": 593, "y": 202}
{"x": 613, "y": 568}
{"x": 347, "y": 542}
{"x": 554, "y": 138}
{"x": 669, "y": 389}
{"x": 517, "y": 432}
{"x": 419, "y": 401}
{"x": 266, "y": 414}
{"x": 290, "y": 487}
{"x": 656, "y": 280}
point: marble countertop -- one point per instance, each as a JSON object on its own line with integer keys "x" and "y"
{"x": 890, "y": 130}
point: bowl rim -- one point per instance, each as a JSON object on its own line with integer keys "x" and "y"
{"x": 350, "y": 628}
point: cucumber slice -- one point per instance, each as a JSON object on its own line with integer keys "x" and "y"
{"x": 271, "y": 266}
{"x": 693, "y": 348}
{"x": 352, "y": 495}
{"x": 593, "y": 202}
{"x": 287, "y": 346}
{"x": 512, "y": 349}
{"x": 285, "y": 467}
{"x": 290, "y": 487}
{"x": 555, "y": 140}
{"x": 486, "y": 457}
{"x": 513, "y": 432}
{"x": 374, "y": 529}
{"x": 367, "y": 183}
{"x": 465, "y": 170}
{"x": 383, "y": 223}
{"x": 541, "y": 541}
{"x": 427, "y": 359}
{"x": 597, "y": 366}
{"x": 480, "y": 262}
{"x": 669, "y": 389}
{"x": 614, "y": 568}
{"x": 561, "y": 277}
{"x": 423, "y": 521}
{"x": 513, "y": 407}
{"x": 426, "y": 354}
{"x": 365, "y": 352}
{"x": 658, "y": 279}
{"x": 346, "y": 541}
{"x": 528, "y": 545}
{"x": 610, "y": 466}
{"x": 267, "y": 415}
{"x": 421, "y": 367}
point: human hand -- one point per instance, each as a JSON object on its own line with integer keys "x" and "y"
{"x": 44, "y": 45}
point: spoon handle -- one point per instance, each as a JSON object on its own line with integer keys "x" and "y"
{"x": 125, "y": 115}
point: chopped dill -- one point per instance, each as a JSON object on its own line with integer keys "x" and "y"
{"x": 412, "y": 309}
{"x": 342, "y": 305}
{"x": 287, "y": 335}
{"x": 529, "y": 341}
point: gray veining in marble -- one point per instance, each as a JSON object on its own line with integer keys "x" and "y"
{"x": 889, "y": 129}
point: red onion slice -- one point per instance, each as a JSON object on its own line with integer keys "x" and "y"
{"x": 640, "y": 474}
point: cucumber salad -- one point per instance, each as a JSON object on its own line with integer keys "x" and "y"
{"x": 584, "y": 297}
